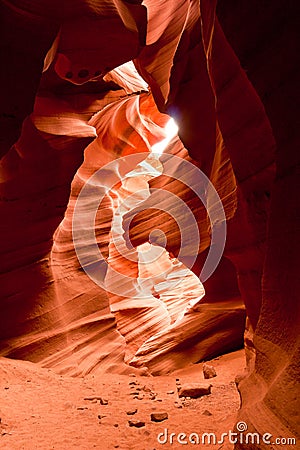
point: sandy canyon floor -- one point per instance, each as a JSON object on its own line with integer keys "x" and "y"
{"x": 42, "y": 410}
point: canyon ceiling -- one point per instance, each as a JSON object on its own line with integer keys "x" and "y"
{"x": 86, "y": 87}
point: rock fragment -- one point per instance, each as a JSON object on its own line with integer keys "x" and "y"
{"x": 136, "y": 423}
{"x": 131, "y": 412}
{"x": 94, "y": 398}
{"x": 177, "y": 405}
{"x": 147, "y": 389}
{"x": 194, "y": 390}
{"x": 159, "y": 416}
{"x": 209, "y": 371}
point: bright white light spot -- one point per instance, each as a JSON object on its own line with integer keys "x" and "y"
{"x": 171, "y": 129}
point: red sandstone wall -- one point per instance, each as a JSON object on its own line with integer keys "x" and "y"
{"x": 229, "y": 79}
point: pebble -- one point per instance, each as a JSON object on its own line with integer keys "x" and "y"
{"x": 194, "y": 390}
{"x": 136, "y": 423}
{"x": 209, "y": 371}
{"x": 186, "y": 403}
{"x": 177, "y": 405}
{"x": 207, "y": 413}
{"x": 159, "y": 416}
{"x": 94, "y": 399}
{"x": 147, "y": 389}
{"x": 131, "y": 412}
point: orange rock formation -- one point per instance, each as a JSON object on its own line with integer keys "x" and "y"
{"x": 88, "y": 283}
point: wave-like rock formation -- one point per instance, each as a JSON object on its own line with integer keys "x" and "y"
{"x": 105, "y": 243}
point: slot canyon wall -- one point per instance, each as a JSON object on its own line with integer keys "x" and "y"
{"x": 89, "y": 85}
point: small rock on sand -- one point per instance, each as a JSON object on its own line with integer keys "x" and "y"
{"x": 209, "y": 371}
{"x": 194, "y": 390}
{"x": 177, "y": 405}
{"x": 131, "y": 412}
{"x": 136, "y": 423}
{"x": 159, "y": 416}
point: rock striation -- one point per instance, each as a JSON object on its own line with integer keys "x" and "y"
{"x": 86, "y": 89}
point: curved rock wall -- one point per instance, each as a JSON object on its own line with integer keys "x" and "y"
{"x": 227, "y": 73}
{"x": 271, "y": 60}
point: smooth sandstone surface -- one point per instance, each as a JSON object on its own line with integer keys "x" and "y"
{"x": 87, "y": 85}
